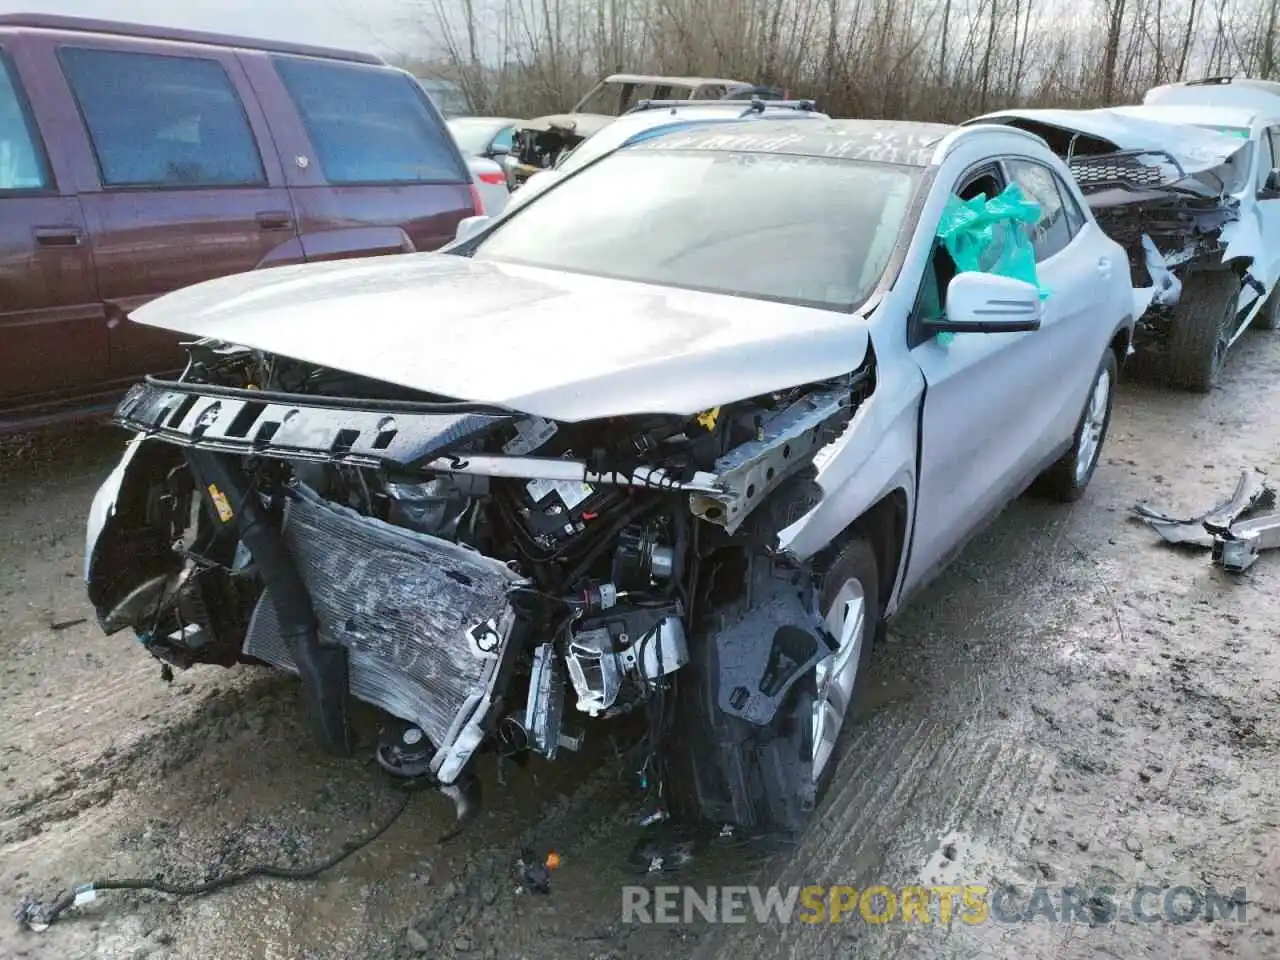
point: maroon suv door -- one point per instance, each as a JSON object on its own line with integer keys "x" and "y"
{"x": 181, "y": 179}
{"x": 361, "y": 146}
{"x": 52, "y": 335}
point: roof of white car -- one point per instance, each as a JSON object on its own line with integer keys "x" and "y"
{"x": 667, "y": 81}
{"x": 887, "y": 141}
{"x": 1192, "y": 113}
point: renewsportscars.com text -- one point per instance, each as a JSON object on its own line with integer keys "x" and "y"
{"x": 969, "y": 903}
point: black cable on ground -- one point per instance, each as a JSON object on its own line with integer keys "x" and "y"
{"x": 37, "y": 916}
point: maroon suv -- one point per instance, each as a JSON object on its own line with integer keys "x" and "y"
{"x": 137, "y": 160}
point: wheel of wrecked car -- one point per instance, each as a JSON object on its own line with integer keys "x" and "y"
{"x": 1067, "y": 479}
{"x": 769, "y": 777}
{"x": 1202, "y": 325}
{"x": 819, "y": 712}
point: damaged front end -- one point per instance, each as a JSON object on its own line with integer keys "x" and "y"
{"x": 1169, "y": 225}
{"x": 539, "y": 144}
{"x": 1169, "y": 194}
{"x": 489, "y": 581}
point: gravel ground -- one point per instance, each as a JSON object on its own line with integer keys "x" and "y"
{"x": 1072, "y": 703}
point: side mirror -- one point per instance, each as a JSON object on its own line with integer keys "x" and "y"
{"x": 497, "y": 150}
{"x": 468, "y": 227}
{"x": 989, "y": 303}
{"x": 1271, "y": 189}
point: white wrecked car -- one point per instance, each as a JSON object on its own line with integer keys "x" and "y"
{"x": 651, "y": 117}
{"x": 1190, "y": 188}
{"x": 663, "y": 449}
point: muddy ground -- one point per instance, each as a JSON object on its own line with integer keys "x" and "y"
{"x": 1070, "y": 704}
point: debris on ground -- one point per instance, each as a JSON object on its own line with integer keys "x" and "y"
{"x": 1234, "y": 530}
{"x": 534, "y": 875}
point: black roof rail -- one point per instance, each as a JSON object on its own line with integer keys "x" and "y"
{"x": 51, "y": 21}
{"x": 1209, "y": 81}
{"x": 754, "y": 105}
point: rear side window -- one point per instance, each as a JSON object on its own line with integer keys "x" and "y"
{"x": 159, "y": 121}
{"x": 1039, "y": 184}
{"x": 21, "y": 162}
{"x": 369, "y": 125}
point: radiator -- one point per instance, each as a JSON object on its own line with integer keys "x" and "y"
{"x": 405, "y": 606}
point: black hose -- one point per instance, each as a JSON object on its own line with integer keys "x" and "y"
{"x": 605, "y": 541}
{"x": 322, "y": 669}
{"x": 31, "y": 913}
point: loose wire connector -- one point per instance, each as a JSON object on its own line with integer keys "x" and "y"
{"x": 33, "y": 915}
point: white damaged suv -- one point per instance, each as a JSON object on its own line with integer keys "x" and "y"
{"x": 662, "y": 449}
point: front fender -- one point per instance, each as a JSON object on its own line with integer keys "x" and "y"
{"x": 103, "y": 507}
{"x": 873, "y": 457}
{"x": 128, "y": 551}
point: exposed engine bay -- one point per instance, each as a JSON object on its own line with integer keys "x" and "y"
{"x": 1170, "y": 219}
{"x": 1165, "y": 222}
{"x": 539, "y": 144}
{"x": 491, "y": 582}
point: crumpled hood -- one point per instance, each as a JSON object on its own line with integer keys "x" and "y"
{"x": 1195, "y": 148}
{"x": 558, "y": 345}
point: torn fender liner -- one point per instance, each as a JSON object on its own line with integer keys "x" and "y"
{"x": 322, "y": 670}
{"x": 425, "y": 622}
{"x": 761, "y": 655}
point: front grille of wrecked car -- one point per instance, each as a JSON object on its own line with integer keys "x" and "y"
{"x": 401, "y": 603}
{"x": 1106, "y": 171}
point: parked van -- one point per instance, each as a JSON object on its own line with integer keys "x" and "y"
{"x": 137, "y": 160}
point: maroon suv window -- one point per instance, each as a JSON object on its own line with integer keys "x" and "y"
{"x": 22, "y": 165}
{"x": 160, "y": 121}
{"x": 370, "y": 124}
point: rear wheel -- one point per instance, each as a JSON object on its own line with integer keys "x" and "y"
{"x": 1203, "y": 322}
{"x": 1067, "y": 479}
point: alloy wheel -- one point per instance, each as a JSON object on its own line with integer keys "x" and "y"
{"x": 836, "y": 674}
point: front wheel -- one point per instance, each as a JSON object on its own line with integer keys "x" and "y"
{"x": 770, "y": 778}
{"x": 1067, "y": 479}
{"x": 1202, "y": 326}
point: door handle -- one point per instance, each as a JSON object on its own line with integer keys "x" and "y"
{"x": 1104, "y": 266}
{"x": 59, "y": 236}
{"x": 275, "y": 220}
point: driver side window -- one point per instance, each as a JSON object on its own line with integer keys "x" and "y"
{"x": 930, "y": 302}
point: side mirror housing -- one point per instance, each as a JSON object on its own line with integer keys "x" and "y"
{"x": 468, "y": 227}
{"x": 1271, "y": 189}
{"x": 989, "y": 303}
{"x": 497, "y": 150}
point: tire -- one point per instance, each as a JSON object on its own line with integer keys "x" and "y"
{"x": 1203, "y": 321}
{"x": 1067, "y": 479}
{"x": 761, "y": 778}
{"x": 856, "y": 561}
{"x": 1268, "y": 317}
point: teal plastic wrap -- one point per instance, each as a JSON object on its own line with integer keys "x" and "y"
{"x": 993, "y": 236}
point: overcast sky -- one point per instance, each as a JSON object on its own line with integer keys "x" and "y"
{"x": 360, "y": 24}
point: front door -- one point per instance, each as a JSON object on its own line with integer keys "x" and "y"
{"x": 998, "y": 404}
{"x": 52, "y": 338}
{"x": 188, "y": 187}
